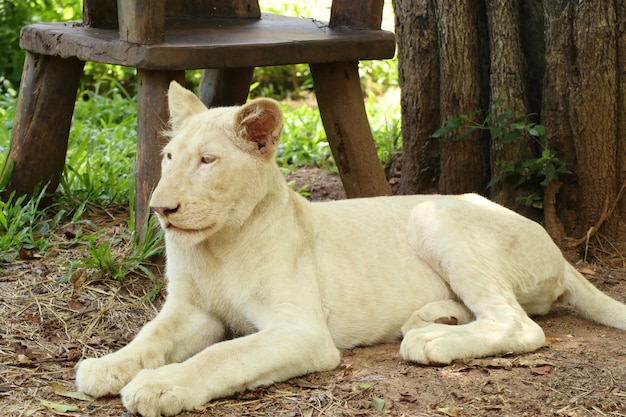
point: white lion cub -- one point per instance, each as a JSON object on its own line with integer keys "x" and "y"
{"x": 299, "y": 281}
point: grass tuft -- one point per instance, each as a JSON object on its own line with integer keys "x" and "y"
{"x": 99, "y": 170}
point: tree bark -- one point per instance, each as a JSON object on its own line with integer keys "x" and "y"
{"x": 581, "y": 61}
{"x": 620, "y": 210}
{"x": 561, "y": 61}
{"x": 419, "y": 81}
{"x": 594, "y": 115}
{"x": 507, "y": 93}
{"x": 464, "y": 163}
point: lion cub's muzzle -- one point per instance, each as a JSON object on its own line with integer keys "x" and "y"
{"x": 165, "y": 211}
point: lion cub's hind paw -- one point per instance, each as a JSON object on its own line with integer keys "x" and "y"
{"x": 448, "y": 312}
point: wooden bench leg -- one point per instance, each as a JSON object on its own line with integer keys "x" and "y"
{"x": 152, "y": 117}
{"x": 225, "y": 87}
{"x": 42, "y": 123}
{"x": 340, "y": 101}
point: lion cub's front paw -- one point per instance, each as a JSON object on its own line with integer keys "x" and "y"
{"x": 104, "y": 376}
{"x": 165, "y": 391}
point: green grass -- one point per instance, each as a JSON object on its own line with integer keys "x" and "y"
{"x": 101, "y": 152}
{"x": 99, "y": 168}
{"x": 100, "y": 162}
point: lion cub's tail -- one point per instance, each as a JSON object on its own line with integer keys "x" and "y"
{"x": 592, "y": 303}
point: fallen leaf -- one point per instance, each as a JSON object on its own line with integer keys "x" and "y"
{"x": 497, "y": 363}
{"x": 75, "y": 305}
{"x": 586, "y": 271}
{"x": 303, "y": 383}
{"x": 95, "y": 340}
{"x": 379, "y": 403}
{"x": 34, "y": 317}
{"x": 78, "y": 277}
{"x": 22, "y": 360}
{"x": 59, "y": 389}
{"x": 408, "y": 397}
{"x": 26, "y": 254}
{"x": 531, "y": 363}
{"x": 61, "y": 408}
{"x": 450, "y": 411}
{"x": 345, "y": 367}
{"x": 71, "y": 231}
{"x": 21, "y": 380}
{"x": 40, "y": 268}
{"x": 22, "y": 349}
{"x": 541, "y": 370}
{"x": 201, "y": 408}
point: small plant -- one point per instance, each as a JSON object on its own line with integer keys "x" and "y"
{"x": 24, "y": 226}
{"x": 101, "y": 152}
{"x": 539, "y": 171}
{"x": 386, "y": 128}
{"x": 126, "y": 255}
{"x": 119, "y": 258}
{"x": 304, "y": 140}
{"x": 16, "y": 13}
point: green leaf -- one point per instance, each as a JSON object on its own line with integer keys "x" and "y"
{"x": 495, "y": 131}
{"x": 500, "y": 118}
{"x": 59, "y": 389}
{"x": 448, "y": 126}
{"x": 61, "y": 408}
{"x": 3, "y": 219}
{"x": 466, "y": 133}
{"x": 547, "y": 154}
{"x": 497, "y": 178}
{"x": 511, "y": 136}
{"x": 537, "y": 130}
{"x": 379, "y": 403}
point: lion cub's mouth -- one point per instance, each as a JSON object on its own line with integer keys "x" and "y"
{"x": 170, "y": 227}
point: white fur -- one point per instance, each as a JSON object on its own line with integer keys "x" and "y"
{"x": 296, "y": 281}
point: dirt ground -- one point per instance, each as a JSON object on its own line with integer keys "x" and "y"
{"x": 46, "y": 327}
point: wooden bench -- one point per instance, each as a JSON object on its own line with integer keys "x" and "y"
{"x": 162, "y": 39}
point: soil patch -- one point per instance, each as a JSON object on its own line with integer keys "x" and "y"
{"x": 47, "y": 327}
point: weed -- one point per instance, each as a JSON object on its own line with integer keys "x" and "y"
{"x": 118, "y": 258}
{"x": 99, "y": 166}
{"x": 386, "y": 128}
{"x": 539, "y": 171}
{"x": 24, "y": 225}
{"x": 304, "y": 141}
{"x": 101, "y": 152}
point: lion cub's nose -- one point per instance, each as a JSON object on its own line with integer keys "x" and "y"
{"x": 165, "y": 211}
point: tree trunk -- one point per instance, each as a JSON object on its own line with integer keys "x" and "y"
{"x": 416, "y": 25}
{"x": 620, "y": 210}
{"x": 561, "y": 63}
{"x": 581, "y": 57}
{"x": 464, "y": 163}
{"x": 507, "y": 93}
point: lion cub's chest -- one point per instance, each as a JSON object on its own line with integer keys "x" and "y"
{"x": 218, "y": 291}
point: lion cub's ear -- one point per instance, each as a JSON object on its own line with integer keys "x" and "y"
{"x": 260, "y": 122}
{"x": 182, "y": 104}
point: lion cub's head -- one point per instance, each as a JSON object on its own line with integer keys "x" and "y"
{"x": 217, "y": 166}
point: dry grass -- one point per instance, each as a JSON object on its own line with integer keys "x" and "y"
{"x": 46, "y": 327}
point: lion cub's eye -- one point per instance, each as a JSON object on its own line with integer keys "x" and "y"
{"x": 208, "y": 159}
{"x": 168, "y": 156}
